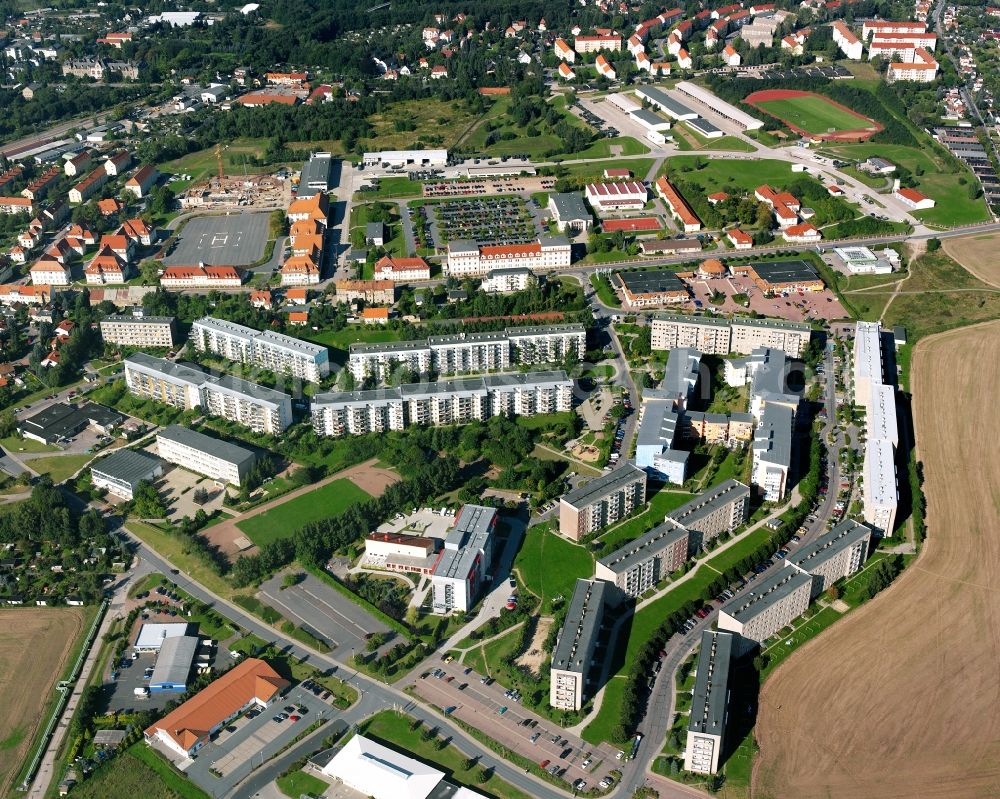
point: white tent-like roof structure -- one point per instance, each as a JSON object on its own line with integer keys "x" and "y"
{"x": 375, "y": 770}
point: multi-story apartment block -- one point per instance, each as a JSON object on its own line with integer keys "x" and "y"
{"x": 654, "y": 447}
{"x": 602, "y": 501}
{"x": 469, "y": 259}
{"x": 262, "y": 409}
{"x": 880, "y": 495}
{"x": 133, "y": 330}
{"x": 759, "y": 613}
{"x": 573, "y": 655}
{"x": 833, "y": 556}
{"x": 721, "y": 336}
{"x": 641, "y": 564}
{"x": 275, "y": 351}
{"x": 212, "y": 457}
{"x": 719, "y": 510}
{"x": 470, "y": 352}
{"x": 445, "y": 402}
{"x": 772, "y": 451}
{"x": 376, "y": 292}
{"x": 706, "y": 729}
{"x": 845, "y": 39}
{"x": 465, "y": 560}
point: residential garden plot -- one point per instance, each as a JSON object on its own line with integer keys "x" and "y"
{"x": 814, "y": 115}
{"x": 493, "y": 220}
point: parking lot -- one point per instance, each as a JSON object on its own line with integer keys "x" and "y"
{"x": 177, "y": 488}
{"x": 232, "y": 240}
{"x": 498, "y": 220}
{"x": 517, "y": 728}
{"x": 327, "y": 614}
{"x": 247, "y": 742}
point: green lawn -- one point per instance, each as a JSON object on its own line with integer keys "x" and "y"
{"x": 739, "y": 550}
{"x": 394, "y": 730}
{"x": 393, "y": 187}
{"x": 813, "y": 114}
{"x": 138, "y": 772}
{"x": 298, "y": 783}
{"x": 603, "y": 288}
{"x": 721, "y": 174}
{"x": 935, "y": 177}
{"x": 599, "y": 730}
{"x": 549, "y": 565}
{"x": 594, "y": 170}
{"x": 805, "y": 630}
{"x": 203, "y": 163}
{"x": 659, "y": 506}
{"x": 353, "y": 334}
{"x": 174, "y": 549}
{"x": 18, "y": 444}
{"x": 283, "y": 520}
{"x": 59, "y": 467}
{"x": 732, "y": 143}
{"x": 435, "y": 123}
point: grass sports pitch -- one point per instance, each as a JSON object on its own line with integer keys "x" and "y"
{"x": 813, "y": 114}
{"x": 284, "y": 519}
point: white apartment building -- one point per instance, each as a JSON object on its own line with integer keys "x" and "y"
{"x": 706, "y": 729}
{"x": 505, "y": 281}
{"x": 270, "y": 350}
{"x": 715, "y": 336}
{"x": 468, "y": 259}
{"x": 262, "y": 409}
{"x": 720, "y": 509}
{"x": 890, "y": 27}
{"x": 881, "y": 493}
{"x": 594, "y": 44}
{"x": 845, "y": 39}
{"x": 50, "y": 273}
{"x": 139, "y": 331}
{"x": 446, "y": 402}
{"x": 757, "y": 614}
{"x": 573, "y": 654}
{"x": 868, "y": 365}
{"x": 772, "y": 451}
{"x": 357, "y": 413}
{"x": 212, "y": 457}
{"x": 470, "y": 352}
{"x": 833, "y": 556}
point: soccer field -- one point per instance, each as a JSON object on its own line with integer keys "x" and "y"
{"x": 812, "y": 114}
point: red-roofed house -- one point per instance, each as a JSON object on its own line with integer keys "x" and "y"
{"x": 120, "y": 245}
{"x": 109, "y": 206}
{"x": 188, "y": 727}
{"x": 298, "y": 318}
{"x": 678, "y": 206}
{"x": 261, "y": 299}
{"x": 201, "y": 276}
{"x": 730, "y": 56}
{"x": 142, "y": 181}
{"x": 65, "y": 328}
{"x": 138, "y": 231}
{"x": 299, "y": 270}
{"x": 718, "y": 197}
{"x": 625, "y": 196}
{"x": 375, "y": 316}
{"x": 739, "y": 239}
{"x": 913, "y": 199}
{"x": 83, "y": 234}
{"x": 802, "y": 234}
{"x": 16, "y": 205}
{"x": 298, "y": 295}
{"x": 49, "y": 272}
{"x": 105, "y": 268}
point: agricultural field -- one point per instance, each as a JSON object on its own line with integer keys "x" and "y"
{"x": 813, "y": 114}
{"x": 36, "y": 645}
{"x": 978, "y": 255}
{"x": 869, "y": 737}
{"x": 285, "y": 518}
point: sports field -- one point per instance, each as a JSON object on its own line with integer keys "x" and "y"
{"x": 909, "y": 681}
{"x": 284, "y": 519}
{"x": 814, "y": 115}
{"x": 35, "y": 644}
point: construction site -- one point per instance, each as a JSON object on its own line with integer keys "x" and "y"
{"x": 222, "y": 192}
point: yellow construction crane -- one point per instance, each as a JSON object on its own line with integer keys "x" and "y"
{"x": 218, "y": 158}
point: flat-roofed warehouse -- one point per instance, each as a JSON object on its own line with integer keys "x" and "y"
{"x": 706, "y": 729}
{"x": 316, "y": 175}
{"x": 645, "y": 288}
{"x": 573, "y": 655}
{"x": 122, "y": 471}
{"x": 61, "y": 421}
{"x": 782, "y": 276}
{"x": 719, "y": 106}
{"x": 204, "y": 454}
{"x": 152, "y": 635}
{"x": 173, "y": 664}
{"x": 666, "y": 103}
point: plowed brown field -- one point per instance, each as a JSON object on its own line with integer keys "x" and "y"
{"x": 902, "y": 697}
